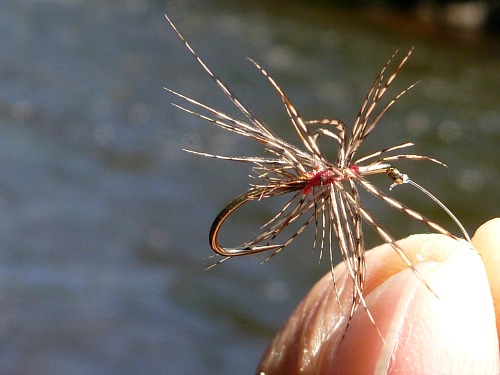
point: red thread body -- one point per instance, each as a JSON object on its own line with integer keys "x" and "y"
{"x": 324, "y": 177}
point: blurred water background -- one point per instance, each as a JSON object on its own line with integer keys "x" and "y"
{"x": 104, "y": 220}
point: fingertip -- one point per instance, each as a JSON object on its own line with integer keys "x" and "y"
{"x": 454, "y": 333}
{"x": 367, "y": 346}
{"x": 487, "y": 243}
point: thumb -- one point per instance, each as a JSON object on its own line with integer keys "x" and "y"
{"x": 455, "y": 333}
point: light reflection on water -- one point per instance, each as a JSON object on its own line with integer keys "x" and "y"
{"x": 104, "y": 220}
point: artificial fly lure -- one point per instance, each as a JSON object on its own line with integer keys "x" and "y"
{"x": 322, "y": 192}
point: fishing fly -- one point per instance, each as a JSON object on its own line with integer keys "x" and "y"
{"x": 323, "y": 192}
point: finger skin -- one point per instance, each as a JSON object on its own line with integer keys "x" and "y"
{"x": 455, "y": 333}
{"x": 487, "y": 242}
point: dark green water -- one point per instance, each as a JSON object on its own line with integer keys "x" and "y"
{"x": 104, "y": 220}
